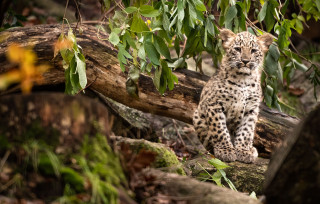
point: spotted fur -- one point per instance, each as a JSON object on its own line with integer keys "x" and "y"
{"x": 226, "y": 116}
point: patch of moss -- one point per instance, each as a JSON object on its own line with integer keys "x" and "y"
{"x": 73, "y": 178}
{"x": 165, "y": 159}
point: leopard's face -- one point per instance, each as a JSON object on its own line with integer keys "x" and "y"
{"x": 244, "y": 51}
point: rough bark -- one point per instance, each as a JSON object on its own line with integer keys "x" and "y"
{"x": 104, "y": 71}
{"x": 154, "y": 186}
{"x": 294, "y": 170}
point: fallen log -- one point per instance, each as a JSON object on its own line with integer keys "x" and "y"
{"x": 154, "y": 186}
{"x": 294, "y": 170}
{"x": 104, "y": 72}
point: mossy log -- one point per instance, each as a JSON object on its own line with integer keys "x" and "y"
{"x": 103, "y": 71}
{"x": 154, "y": 186}
{"x": 293, "y": 175}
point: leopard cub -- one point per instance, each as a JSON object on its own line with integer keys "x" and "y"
{"x": 226, "y": 116}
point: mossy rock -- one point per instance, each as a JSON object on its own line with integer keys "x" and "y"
{"x": 165, "y": 160}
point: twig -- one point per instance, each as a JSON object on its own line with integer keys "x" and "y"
{"x": 301, "y": 9}
{"x": 178, "y": 133}
{"x": 64, "y": 15}
{"x": 106, "y": 13}
{"x": 4, "y": 159}
{"x": 80, "y": 18}
{"x": 95, "y": 22}
{"x": 88, "y": 85}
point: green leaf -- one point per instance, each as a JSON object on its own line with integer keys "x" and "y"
{"x": 67, "y": 56}
{"x": 129, "y": 40}
{"x": 318, "y": 4}
{"x": 123, "y": 69}
{"x": 218, "y": 163}
{"x": 130, "y": 9}
{"x": 285, "y": 34}
{"x": 299, "y": 65}
{"x": 274, "y": 52}
{"x": 148, "y": 11}
{"x": 263, "y": 12}
{"x": 68, "y": 89}
{"x": 114, "y": 38}
{"x": 199, "y": 5}
{"x": 152, "y": 53}
{"x": 161, "y": 47}
{"x": 192, "y": 15}
{"x": 210, "y": 27}
{"x": 269, "y": 18}
{"x": 216, "y": 177}
{"x": 124, "y": 52}
{"x": 177, "y": 46}
{"x": 81, "y": 69}
{"x": 298, "y": 26}
{"x": 181, "y": 7}
{"x": 138, "y": 25}
{"x": 165, "y": 22}
{"x": 74, "y": 76}
{"x": 284, "y": 7}
{"x": 157, "y": 77}
{"x": 142, "y": 53}
{"x": 231, "y": 13}
{"x": 268, "y": 93}
{"x": 178, "y": 63}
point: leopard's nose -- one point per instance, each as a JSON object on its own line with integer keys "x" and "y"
{"x": 245, "y": 61}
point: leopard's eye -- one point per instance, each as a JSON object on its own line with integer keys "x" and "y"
{"x": 238, "y": 49}
{"x": 254, "y": 50}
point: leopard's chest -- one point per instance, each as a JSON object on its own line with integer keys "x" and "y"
{"x": 235, "y": 104}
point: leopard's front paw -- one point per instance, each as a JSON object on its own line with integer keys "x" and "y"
{"x": 247, "y": 156}
{"x": 226, "y": 154}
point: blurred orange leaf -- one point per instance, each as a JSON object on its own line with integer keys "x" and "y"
{"x": 28, "y": 72}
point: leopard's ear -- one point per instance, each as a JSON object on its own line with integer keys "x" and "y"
{"x": 265, "y": 41}
{"x": 227, "y": 36}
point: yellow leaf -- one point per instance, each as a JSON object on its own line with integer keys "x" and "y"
{"x": 9, "y": 78}
{"x": 28, "y": 72}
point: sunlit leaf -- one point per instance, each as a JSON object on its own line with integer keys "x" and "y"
{"x": 199, "y": 5}
{"x": 138, "y": 25}
{"x": 114, "y": 38}
{"x": 218, "y": 163}
{"x": 131, "y": 9}
{"x": 81, "y": 69}
{"x": 148, "y": 11}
